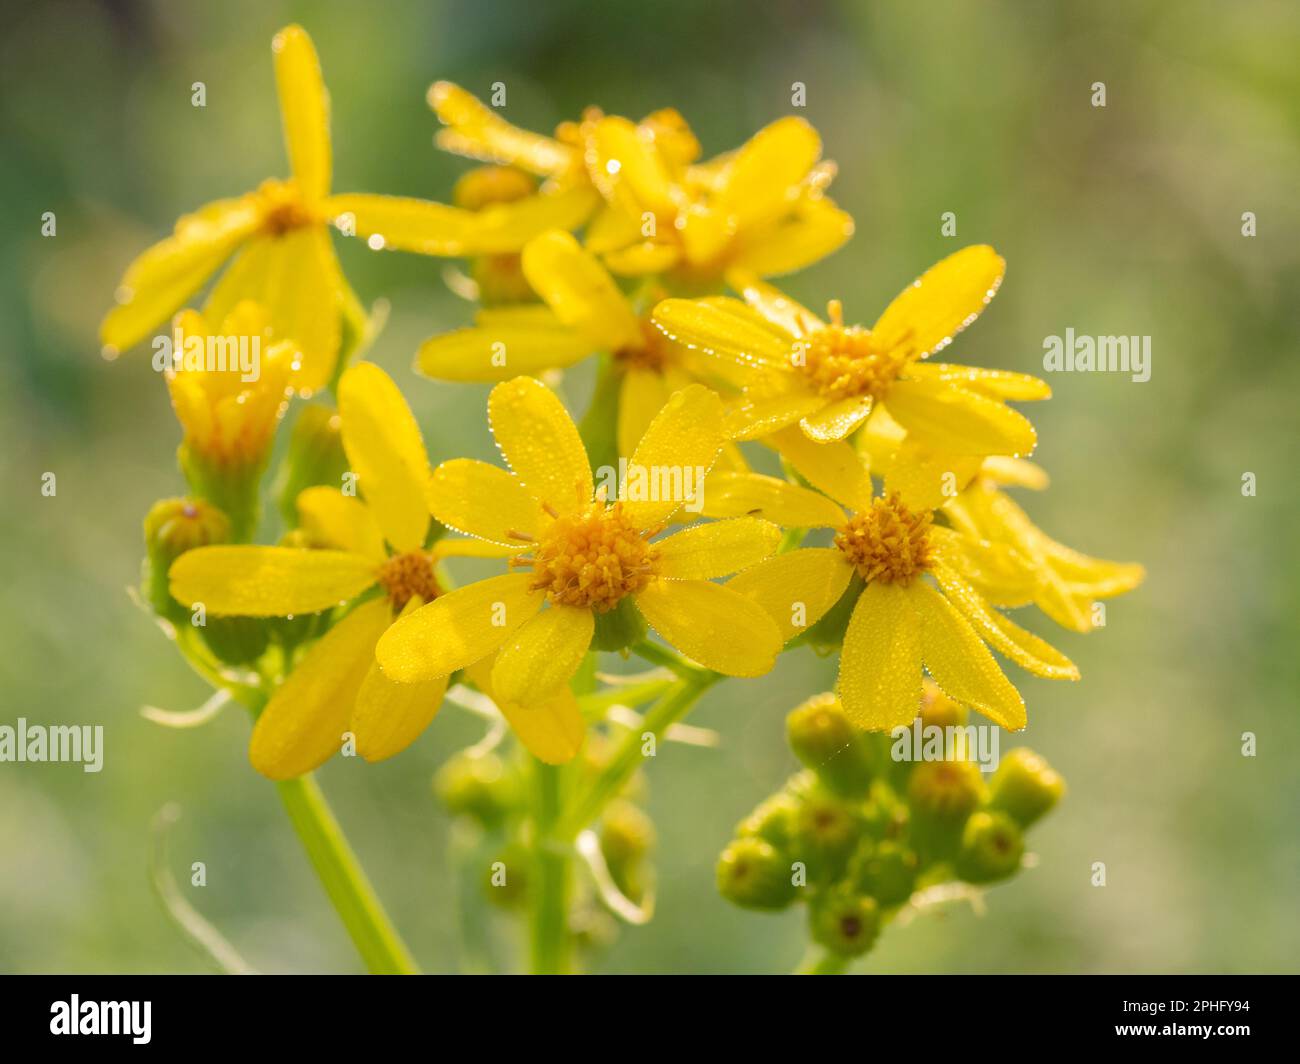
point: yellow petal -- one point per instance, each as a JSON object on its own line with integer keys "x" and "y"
{"x": 542, "y": 655}
{"x": 342, "y": 521}
{"x": 1024, "y": 648}
{"x": 816, "y": 229}
{"x": 552, "y": 730}
{"x": 947, "y": 418}
{"x": 683, "y": 439}
{"x": 483, "y": 500}
{"x": 541, "y": 444}
{"x": 1014, "y": 472}
{"x": 994, "y": 383}
{"x": 456, "y": 547}
{"x": 641, "y": 395}
{"x": 835, "y": 468}
{"x": 501, "y": 228}
{"x": 758, "y": 182}
{"x": 711, "y": 624}
{"x": 726, "y": 328}
{"x": 626, "y": 168}
{"x": 940, "y": 303}
{"x": 759, "y": 414}
{"x": 404, "y": 223}
{"x": 925, "y": 478}
{"x": 304, "y": 723}
{"x": 717, "y": 548}
{"x": 304, "y": 110}
{"x": 837, "y": 420}
{"x": 880, "y": 663}
{"x": 500, "y": 351}
{"x": 961, "y": 664}
{"x": 778, "y": 308}
{"x": 796, "y": 589}
{"x": 385, "y": 450}
{"x": 457, "y": 629}
{"x": 997, "y": 571}
{"x": 641, "y": 259}
{"x": 580, "y": 292}
{"x": 733, "y": 494}
{"x": 268, "y": 581}
{"x": 481, "y": 133}
{"x": 389, "y": 717}
{"x": 160, "y": 279}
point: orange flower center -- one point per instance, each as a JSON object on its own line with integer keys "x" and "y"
{"x": 593, "y": 558}
{"x": 404, "y": 576}
{"x": 842, "y": 361}
{"x": 888, "y": 542}
{"x": 282, "y": 207}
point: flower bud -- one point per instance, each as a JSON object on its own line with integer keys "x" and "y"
{"x": 627, "y": 836}
{"x": 938, "y": 709}
{"x": 314, "y": 457}
{"x": 827, "y": 831}
{"x": 886, "y": 871}
{"x": 775, "y": 820}
{"x": 1025, "y": 786}
{"x": 172, "y": 527}
{"x": 844, "y": 922}
{"x": 237, "y": 640}
{"x": 942, "y": 795}
{"x": 506, "y": 880}
{"x": 826, "y": 741}
{"x": 477, "y": 787}
{"x": 753, "y": 875}
{"x": 991, "y": 848}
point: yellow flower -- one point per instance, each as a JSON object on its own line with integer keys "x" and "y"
{"x": 583, "y": 312}
{"x": 378, "y": 543}
{"x": 829, "y": 376}
{"x": 900, "y": 621}
{"x": 760, "y": 210}
{"x": 279, "y": 236}
{"x": 588, "y": 555}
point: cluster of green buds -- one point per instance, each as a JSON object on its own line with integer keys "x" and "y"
{"x": 860, "y": 834}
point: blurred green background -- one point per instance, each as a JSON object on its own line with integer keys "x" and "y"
{"x": 1124, "y": 219}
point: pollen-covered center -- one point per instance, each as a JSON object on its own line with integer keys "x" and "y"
{"x": 404, "y": 576}
{"x": 888, "y": 543}
{"x": 282, "y": 207}
{"x": 592, "y": 558}
{"x": 842, "y": 361}
{"x": 651, "y": 353}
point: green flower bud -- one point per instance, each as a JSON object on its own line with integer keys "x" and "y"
{"x": 991, "y": 848}
{"x": 828, "y": 830}
{"x": 844, "y": 922}
{"x": 938, "y": 709}
{"x": 627, "y": 835}
{"x": 884, "y": 815}
{"x": 753, "y": 875}
{"x": 825, "y": 740}
{"x": 619, "y": 628}
{"x": 1025, "y": 786}
{"x": 172, "y": 527}
{"x": 886, "y": 871}
{"x": 314, "y": 457}
{"x": 774, "y": 820}
{"x": 942, "y": 795}
{"x": 477, "y": 787}
{"x": 237, "y": 640}
{"x": 506, "y": 881}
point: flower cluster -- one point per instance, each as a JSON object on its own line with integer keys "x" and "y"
{"x": 783, "y": 479}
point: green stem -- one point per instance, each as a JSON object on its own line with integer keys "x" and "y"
{"x": 823, "y": 962}
{"x": 549, "y": 889}
{"x": 344, "y": 880}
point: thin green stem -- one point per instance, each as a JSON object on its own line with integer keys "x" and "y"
{"x": 823, "y": 962}
{"x": 344, "y": 880}
{"x": 549, "y": 889}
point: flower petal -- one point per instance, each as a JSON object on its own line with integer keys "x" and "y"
{"x": 304, "y": 110}
{"x": 711, "y": 624}
{"x": 778, "y": 308}
{"x": 816, "y": 229}
{"x": 541, "y": 443}
{"x": 926, "y": 478}
{"x": 837, "y": 420}
{"x": 481, "y": 133}
{"x": 717, "y": 548}
{"x": 798, "y": 586}
{"x": 945, "y": 299}
{"x": 483, "y": 500}
{"x": 880, "y": 663}
{"x": 835, "y": 468}
{"x": 163, "y": 277}
{"x": 303, "y": 724}
{"x": 384, "y": 448}
{"x": 758, "y": 413}
{"x": 543, "y": 654}
{"x": 757, "y": 182}
{"x": 457, "y": 629}
{"x": 342, "y": 521}
{"x": 958, "y": 421}
{"x": 500, "y": 351}
{"x": 552, "y": 730}
{"x": 641, "y": 395}
{"x": 268, "y": 581}
{"x": 726, "y": 328}
{"x": 961, "y": 664}
{"x": 994, "y": 383}
{"x": 580, "y": 291}
{"x": 405, "y": 223}
{"x": 680, "y": 446}
{"x": 388, "y": 717}
{"x": 733, "y": 494}
{"x": 627, "y": 169}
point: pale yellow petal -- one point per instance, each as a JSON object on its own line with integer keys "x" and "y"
{"x": 796, "y": 589}
{"x": 552, "y": 730}
{"x": 758, "y": 414}
{"x": 995, "y": 383}
{"x": 483, "y": 134}
{"x": 925, "y": 478}
{"x": 836, "y": 420}
{"x": 385, "y": 449}
{"x": 542, "y": 655}
{"x": 955, "y": 420}
{"x": 713, "y": 625}
{"x": 304, "y": 110}
{"x": 835, "y": 468}
{"x": 388, "y": 717}
{"x": 304, "y": 723}
{"x": 734, "y": 494}
{"x": 268, "y": 581}
{"x": 643, "y": 258}
{"x": 403, "y": 223}
{"x": 627, "y": 169}
{"x": 880, "y": 663}
{"x": 580, "y": 291}
{"x": 540, "y": 442}
{"x": 342, "y": 521}
{"x": 717, "y": 548}
{"x": 682, "y": 442}
{"x": 814, "y": 230}
{"x": 641, "y": 395}
{"x": 760, "y": 180}
{"x": 785, "y": 313}
{"x": 483, "y": 500}
{"x": 726, "y": 328}
{"x": 457, "y": 629}
{"x": 494, "y": 351}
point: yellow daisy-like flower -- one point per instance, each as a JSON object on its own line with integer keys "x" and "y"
{"x": 900, "y": 622}
{"x": 279, "y": 236}
{"x": 828, "y": 376}
{"x": 587, "y": 555}
{"x": 583, "y": 312}
{"x": 760, "y": 210}
{"x": 375, "y": 543}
